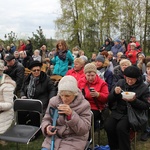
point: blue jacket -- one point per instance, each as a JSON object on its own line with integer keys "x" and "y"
{"x": 60, "y": 66}
{"x": 13, "y": 49}
{"x": 106, "y": 75}
{"x": 117, "y": 48}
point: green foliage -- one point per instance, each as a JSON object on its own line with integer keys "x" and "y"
{"x": 88, "y": 23}
{"x": 10, "y": 38}
{"x": 38, "y": 39}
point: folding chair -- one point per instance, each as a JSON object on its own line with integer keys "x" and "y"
{"x": 23, "y": 133}
{"x": 91, "y": 134}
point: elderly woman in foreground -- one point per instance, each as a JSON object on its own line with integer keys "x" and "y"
{"x": 74, "y": 121}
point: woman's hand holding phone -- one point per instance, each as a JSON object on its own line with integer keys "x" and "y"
{"x": 93, "y": 92}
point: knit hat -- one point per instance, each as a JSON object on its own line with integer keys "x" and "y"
{"x": 68, "y": 83}
{"x": 132, "y": 72}
{"x": 35, "y": 63}
{"x": 100, "y": 58}
{"x": 117, "y": 40}
{"x": 90, "y": 67}
{"x": 1, "y": 65}
{"x": 133, "y": 44}
{"x": 84, "y": 58}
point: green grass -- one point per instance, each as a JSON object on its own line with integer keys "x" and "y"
{"x": 36, "y": 144}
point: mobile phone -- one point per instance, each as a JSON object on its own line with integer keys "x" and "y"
{"x": 53, "y": 129}
{"x": 92, "y": 89}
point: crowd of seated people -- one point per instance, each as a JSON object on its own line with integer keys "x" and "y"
{"x": 98, "y": 81}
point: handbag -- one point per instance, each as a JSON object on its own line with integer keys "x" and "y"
{"x": 137, "y": 118}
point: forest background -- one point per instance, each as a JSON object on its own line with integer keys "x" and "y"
{"x": 87, "y": 23}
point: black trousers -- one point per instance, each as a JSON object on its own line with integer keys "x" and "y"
{"x": 97, "y": 116}
{"x": 118, "y": 133}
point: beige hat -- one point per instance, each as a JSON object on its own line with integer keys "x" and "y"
{"x": 68, "y": 83}
{"x": 1, "y": 65}
{"x": 133, "y": 44}
{"x": 90, "y": 67}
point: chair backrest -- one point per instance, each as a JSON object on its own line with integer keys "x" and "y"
{"x": 30, "y": 105}
{"x": 33, "y": 105}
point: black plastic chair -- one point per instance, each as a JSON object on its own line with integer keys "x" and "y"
{"x": 20, "y": 133}
{"x": 91, "y": 134}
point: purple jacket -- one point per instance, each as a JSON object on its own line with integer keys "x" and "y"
{"x": 72, "y": 134}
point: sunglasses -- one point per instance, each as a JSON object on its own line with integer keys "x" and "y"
{"x": 36, "y": 70}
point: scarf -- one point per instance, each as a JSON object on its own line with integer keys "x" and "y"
{"x": 101, "y": 72}
{"x": 61, "y": 54}
{"x": 31, "y": 87}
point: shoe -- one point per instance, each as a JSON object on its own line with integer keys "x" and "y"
{"x": 3, "y": 143}
{"x": 145, "y": 136}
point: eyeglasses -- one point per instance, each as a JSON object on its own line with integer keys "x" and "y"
{"x": 36, "y": 70}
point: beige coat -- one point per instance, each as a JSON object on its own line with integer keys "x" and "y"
{"x": 72, "y": 134}
{"x": 7, "y": 87}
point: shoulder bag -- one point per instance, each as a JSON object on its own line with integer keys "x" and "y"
{"x": 137, "y": 118}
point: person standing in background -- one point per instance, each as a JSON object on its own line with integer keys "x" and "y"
{"x": 133, "y": 40}
{"x": 22, "y": 46}
{"x": 13, "y": 48}
{"x": 29, "y": 48}
{"x": 62, "y": 59}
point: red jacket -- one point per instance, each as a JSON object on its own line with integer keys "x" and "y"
{"x": 21, "y": 47}
{"x": 100, "y": 86}
{"x": 138, "y": 46}
{"x": 77, "y": 74}
{"x": 132, "y": 55}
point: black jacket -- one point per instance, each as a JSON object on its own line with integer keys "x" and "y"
{"x": 119, "y": 106}
{"x": 44, "y": 91}
{"x": 29, "y": 49}
{"x": 16, "y": 72}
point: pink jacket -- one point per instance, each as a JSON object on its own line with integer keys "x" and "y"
{"x": 100, "y": 86}
{"x": 72, "y": 134}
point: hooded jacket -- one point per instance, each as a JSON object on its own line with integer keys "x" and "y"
{"x": 100, "y": 86}
{"x": 71, "y": 134}
{"x": 7, "y": 87}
